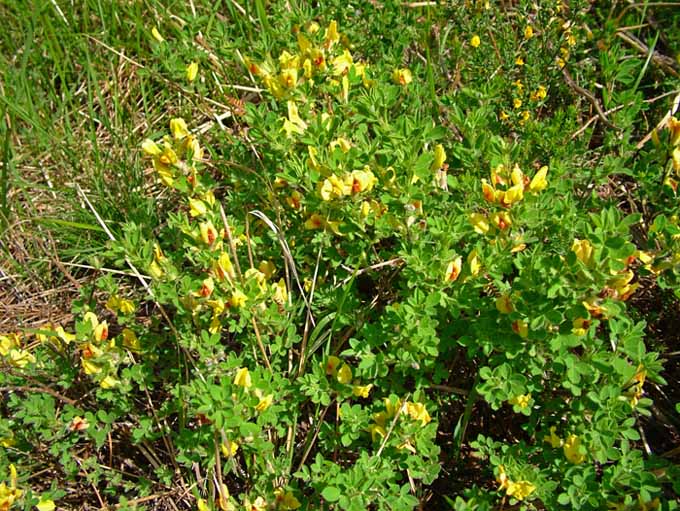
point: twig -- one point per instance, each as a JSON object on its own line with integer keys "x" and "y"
{"x": 589, "y": 96}
{"x": 394, "y": 423}
{"x": 662, "y": 123}
{"x": 664, "y": 62}
{"x": 38, "y": 389}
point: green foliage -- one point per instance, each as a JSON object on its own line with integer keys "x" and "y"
{"x": 384, "y": 221}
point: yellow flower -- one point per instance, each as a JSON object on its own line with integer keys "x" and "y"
{"x": 572, "y": 450}
{"x": 341, "y": 142}
{"x": 439, "y": 157}
{"x": 344, "y": 375}
{"x": 377, "y": 432}
{"x": 179, "y": 129}
{"x": 342, "y": 63}
{"x": 202, "y": 505}
{"x": 208, "y": 233}
{"x": 334, "y": 187}
{"x": 9, "y": 342}
{"x": 362, "y": 180}
{"x": 475, "y": 41}
{"x": 553, "y": 439}
{"x": 238, "y": 299}
{"x": 513, "y": 194}
{"x": 315, "y": 221}
{"x": 207, "y": 287}
{"x": 501, "y": 220}
{"x": 109, "y": 382}
{"x": 242, "y": 378}
{"x": 130, "y": 340}
{"x": 197, "y": 207}
{"x": 522, "y": 400}
{"x": 474, "y": 262}
{"x": 504, "y": 304}
{"x": 332, "y": 36}
{"x": 192, "y": 71}
{"x": 229, "y": 450}
{"x": 332, "y": 365}
{"x": 583, "y": 250}
{"x": 480, "y": 223}
{"x": 453, "y": 269}
{"x": 418, "y": 412}
{"x": 10, "y": 494}
{"x": 528, "y": 32}
{"x": 222, "y": 268}
{"x": 21, "y": 358}
{"x": 118, "y": 304}
{"x": 539, "y": 181}
{"x": 521, "y": 328}
{"x": 580, "y": 326}
{"x": 294, "y": 123}
{"x": 517, "y": 103}
{"x": 285, "y": 500}
{"x": 519, "y": 61}
{"x": 674, "y": 128}
{"x": 520, "y": 489}
{"x": 402, "y": 76}
{"x": 361, "y": 390}
{"x": 157, "y": 35}
{"x": 264, "y": 403}
{"x": 280, "y": 292}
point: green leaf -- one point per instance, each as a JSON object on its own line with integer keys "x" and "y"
{"x": 331, "y": 493}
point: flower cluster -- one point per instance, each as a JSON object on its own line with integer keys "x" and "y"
{"x": 11, "y": 350}
{"x": 394, "y": 410}
{"x": 571, "y": 446}
{"x": 315, "y": 61}
{"x": 175, "y": 158}
{"x": 519, "y": 490}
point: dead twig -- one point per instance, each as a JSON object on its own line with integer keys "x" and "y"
{"x": 589, "y": 96}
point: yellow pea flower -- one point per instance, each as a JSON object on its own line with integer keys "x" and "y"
{"x": 361, "y": 390}
{"x": 439, "y": 157}
{"x": 332, "y": 36}
{"x": 344, "y": 375}
{"x": 264, "y": 403}
{"x": 110, "y": 382}
{"x": 402, "y": 76}
{"x": 157, "y": 35}
{"x": 539, "y": 181}
{"x": 554, "y": 441}
{"x": 192, "y": 71}
{"x": 417, "y": 411}
{"x": 362, "y": 180}
{"x": 229, "y": 450}
{"x": 130, "y": 341}
{"x": 501, "y": 220}
{"x": 21, "y": 358}
{"x": 222, "y": 268}
{"x": 453, "y": 269}
{"x": 522, "y": 400}
{"x": 341, "y": 142}
{"x": 238, "y": 299}
{"x": 517, "y": 103}
{"x": 474, "y": 262}
{"x": 520, "y": 489}
{"x": 480, "y": 223}
{"x": 280, "y": 292}
{"x": 528, "y": 32}
{"x": 521, "y": 328}
{"x": 504, "y": 304}
{"x": 178, "y": 128}
{"x": 197, "y": 207}
{"x": 208, "y": 233}
{"x": 572, "y": 450}
{"x": 377, "y": 432}
{"x": 342, "y": 63}
{"x": 674, "y": 128}
{"x": 332, "y": 365}
{"x": 583, "y": 250}
{"x": 475, "y": 41}
{"x": 9, "y": 342}
{"x": 285, "y": 500}
{"x": 242, "y": 378}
